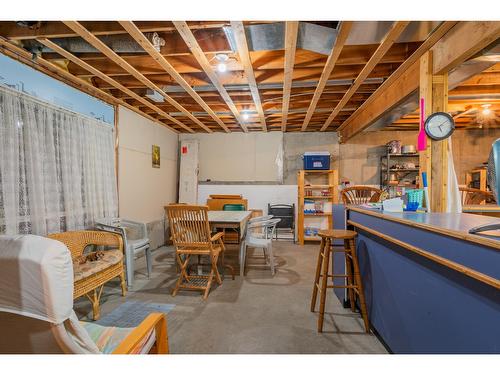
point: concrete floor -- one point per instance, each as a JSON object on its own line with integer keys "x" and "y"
{"x": 256, "y": 314}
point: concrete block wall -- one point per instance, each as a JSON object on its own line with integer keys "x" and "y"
{"x": 294, "y": 146}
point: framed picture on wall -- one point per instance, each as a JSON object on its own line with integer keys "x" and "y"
{"x": 156, "y": 156}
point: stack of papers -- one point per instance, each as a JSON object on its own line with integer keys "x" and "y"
{"x": 393, "y": 205}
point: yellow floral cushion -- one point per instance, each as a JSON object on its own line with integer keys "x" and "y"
{"x": 111, "y": 257}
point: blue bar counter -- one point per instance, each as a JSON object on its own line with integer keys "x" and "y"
{"x": 430, "y": 286}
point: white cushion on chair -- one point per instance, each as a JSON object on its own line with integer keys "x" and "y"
{"x": 36, "y": 278}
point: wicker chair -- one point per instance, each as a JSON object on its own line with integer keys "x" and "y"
{"x": 191, "y": 235}
{"x": 360, "y": 195}
{"x": 89, "y": 278}
{"x": 475, "y": 196}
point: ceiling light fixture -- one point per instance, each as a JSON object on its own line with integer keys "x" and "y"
{"x": 245, "y": 115}
{"x": 222, "y": 58}
{"x": 486, "y": 109}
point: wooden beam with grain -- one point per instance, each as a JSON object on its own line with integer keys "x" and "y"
{"x": 111, "y": 81}
{"x": 201, "y": 58}
{"x": 113, "y": 56}
{"x": 464, "y": 41}
{"x": 57, "y": 29}
{"x": 291, "y": 31}
{"x": 242, "y": 46}
{"x": 141, "y": 39}
{"x": 389, "y": 39}
{"x": 57, "y": 72}
{"x": 444, "y": 55}
{"x": 344, "y": 30}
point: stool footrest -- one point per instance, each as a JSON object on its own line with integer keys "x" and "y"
{"x": 334, "y": 275}
{"x": 338, "y": 286}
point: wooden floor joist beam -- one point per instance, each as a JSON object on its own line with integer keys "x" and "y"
{"x": 389, "y": 39}
{"x": 201, "y": 58}
{"x": 59, "y": 73}
{"x": 111, "y": 81}
{"x": 141, "y": 39}
{"x": 242, "y": 46}
{"x": 291, "y": 31}
{"x": 395, "y": 88}
{"x": 113, "y": 56}
{"x": 344, "y": 30}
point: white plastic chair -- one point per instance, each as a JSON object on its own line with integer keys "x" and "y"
{"x": 36, "y": 306}
{"x": 260, "y": 218}
{"x": 257, "y": 240}
{"x": 135, "y": 242}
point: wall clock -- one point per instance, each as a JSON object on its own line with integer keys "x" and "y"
{"x": 439, "y": 126}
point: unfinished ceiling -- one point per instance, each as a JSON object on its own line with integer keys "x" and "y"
{"x": 474, "y": 103}
{"x": 287, "y": 76}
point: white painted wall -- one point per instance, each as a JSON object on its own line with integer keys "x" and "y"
{"x": 258, "y": 195}
{"x": 238, "y": 156}
{"x": 144, "y": 190}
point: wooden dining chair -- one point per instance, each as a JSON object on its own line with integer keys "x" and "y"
{"x": 360, "y": 195}
{"x": 475, "y": 196}
{"x": 191, "y": 235}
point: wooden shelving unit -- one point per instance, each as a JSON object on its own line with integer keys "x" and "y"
{"x": 314, "y": 181}
{"x": 477, "y": 179}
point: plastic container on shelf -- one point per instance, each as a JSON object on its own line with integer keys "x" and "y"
{"x": 317, "y": 160}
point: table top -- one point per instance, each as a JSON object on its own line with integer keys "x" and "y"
{"x": 228, "y": 216}
{"x": 451, "y": 224}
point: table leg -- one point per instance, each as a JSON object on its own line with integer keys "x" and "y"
{"x": 242, "y": 257}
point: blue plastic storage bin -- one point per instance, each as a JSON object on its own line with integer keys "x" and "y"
{"x": 319, "y": 160}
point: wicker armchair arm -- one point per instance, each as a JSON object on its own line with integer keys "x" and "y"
{"x": 216, "y": 236}
{"x": 156, "y": 321}
{"x": 76, "y": 241}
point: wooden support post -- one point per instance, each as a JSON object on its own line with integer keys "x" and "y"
{"x": 434, "y": 160}
{"x": 439, "y": 153}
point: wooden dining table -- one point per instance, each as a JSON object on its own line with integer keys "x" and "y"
{"x": 232, "y": 220}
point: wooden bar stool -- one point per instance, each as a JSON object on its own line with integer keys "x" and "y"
{"x": 353, "y": 278}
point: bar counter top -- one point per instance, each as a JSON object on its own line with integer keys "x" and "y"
{"x": 450, "y": 224}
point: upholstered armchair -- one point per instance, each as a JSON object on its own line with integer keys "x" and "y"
{"x": 36, "y": 307}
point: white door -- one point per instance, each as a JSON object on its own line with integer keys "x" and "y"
{"x": 188, "y": 175}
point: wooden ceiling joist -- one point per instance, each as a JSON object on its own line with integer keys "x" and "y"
{"x": 50, "y": 30}
{"x": 242, "y": 46}
{"x": 58, "y": 72}
{"x": 201, "y": 58}
{"x": 141, "y": 39}
{"x": 344, "y": 30}
{"x": 395, "y": 31}
{"x": 405, "y": 79}
{"x": 113, "y": 56}
{"x": 291, "y": 31}
{"x": 465, "y": 40}
{"x": 111, "y": 81}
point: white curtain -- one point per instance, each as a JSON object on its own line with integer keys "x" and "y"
{"x": 57, "y": 168}
{"x": 454, "y": 201}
